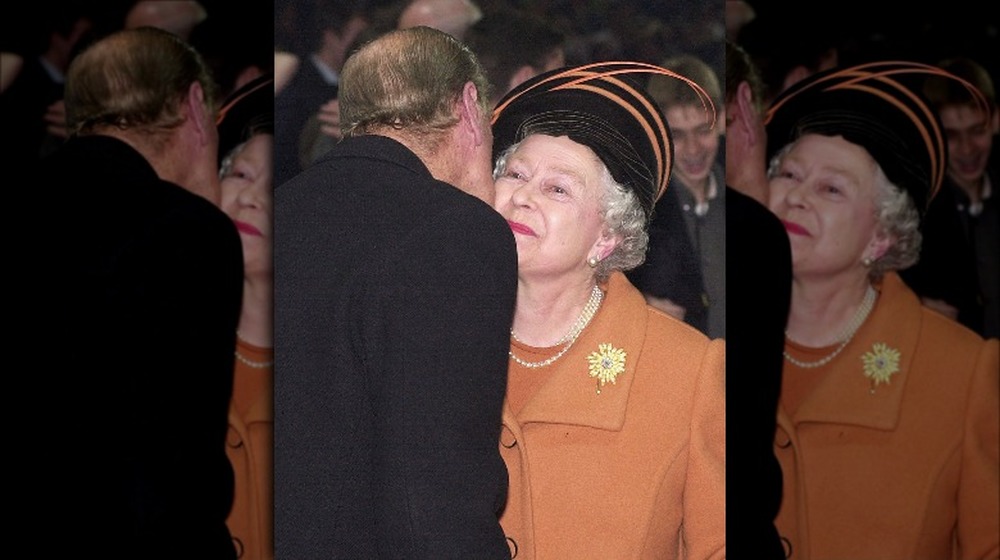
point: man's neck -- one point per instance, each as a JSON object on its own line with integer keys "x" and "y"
{"x": 972, "y": 189}
{"x": 702, "y": 191}
{"x": 175, "y": 161}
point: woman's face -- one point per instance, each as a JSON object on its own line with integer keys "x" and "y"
{"x": 550, "y": 194}
{"x": 246, "y": 197}
{"x": 824, "y": 192}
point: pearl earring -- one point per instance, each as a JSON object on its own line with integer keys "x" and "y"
{"x": 866, "y": 261}
{"x": 592, "y": 261}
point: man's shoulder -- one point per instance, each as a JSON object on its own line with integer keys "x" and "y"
{"x": 381, "y": 196}
{"x": 362, "y": 162}
{"x": 742, "y": 211}
{"x": 374, "y": 147}
{"x": 377, "y": 170}
{"x": 107, "y": 176}
{"x": 757, "y": 242}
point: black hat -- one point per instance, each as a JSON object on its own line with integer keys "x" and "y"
{"x": 875, "y": 106}
{"x": 603, "y": 107}
{"x": 247, "y": 111}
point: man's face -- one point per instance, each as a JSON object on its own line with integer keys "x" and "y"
{"x": 970, "y": 137}
{"x": 696, "y": 143}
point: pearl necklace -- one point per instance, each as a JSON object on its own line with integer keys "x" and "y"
{"x": 252, "y": 363}
{"x": 589, "y": 310}
{"x": 845, "y": 336}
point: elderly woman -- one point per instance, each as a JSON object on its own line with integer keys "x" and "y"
{"x": 888, "y": 418}
{"x": 614, "y": 422}
{"x": 246, "y": 138}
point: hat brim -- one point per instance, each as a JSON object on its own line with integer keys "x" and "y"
{"x": 251, "y": 104}
{"x": 877, "y": 106}
{"x": 604, "y": 107}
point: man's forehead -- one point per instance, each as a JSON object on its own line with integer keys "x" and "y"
{"x": 688, "y": 116}
{"x": 959, "y": 117}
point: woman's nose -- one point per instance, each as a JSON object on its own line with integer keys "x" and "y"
{"x": 795, "y": 194}
{"x": 521, "y": 195}
{"x": 248, "y": 197}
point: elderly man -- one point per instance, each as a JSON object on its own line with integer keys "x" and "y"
{"x": 758, "y": 309}
{"x": 133, "y": 287}
{"x": 394, "y": 294}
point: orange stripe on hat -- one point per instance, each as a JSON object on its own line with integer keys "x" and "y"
{"x": 875, "y": 80}
{"x": 602, "y": 80}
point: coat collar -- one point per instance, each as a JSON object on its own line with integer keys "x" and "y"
{"x": 377, "y": 147}
{"x": 115, "y": 153}
{"x": 570, "y": 395}
{"x": 844, "y": 396}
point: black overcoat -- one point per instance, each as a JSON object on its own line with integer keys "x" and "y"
{"x": 394, "y": 295}
{"x": 127, "y": 322}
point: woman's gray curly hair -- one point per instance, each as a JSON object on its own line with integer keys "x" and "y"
{"x": 622, "y": 215}
{"x": 897, "y": 218}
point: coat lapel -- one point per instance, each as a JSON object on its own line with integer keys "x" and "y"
{"x": 570, "y": 394}
{"x": 844, "y": 396}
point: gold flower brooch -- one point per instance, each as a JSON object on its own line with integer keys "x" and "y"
{"x": 881, "y": 362}
{"x": 606, "y": 364}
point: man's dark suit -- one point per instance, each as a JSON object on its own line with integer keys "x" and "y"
{"x": 22, "y": 112}
{"x": 299, "y": 100}
{"x": 959, "y": 259}
{"x": 759, "y": 261}
{"x": 133, "y": 294}
{"x": 394, "y": 295}
{"x": 672, "y": 268}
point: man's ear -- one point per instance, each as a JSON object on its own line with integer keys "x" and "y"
{"x": 747, "y": 113}
{"x": 471, "y": 115}
{"x": 198, "y": 113}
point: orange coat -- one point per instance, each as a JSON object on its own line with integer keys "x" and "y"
{"x": 909, "y": 471}
{"x": 635, "y": 472}
{"x": 249, "y": 446}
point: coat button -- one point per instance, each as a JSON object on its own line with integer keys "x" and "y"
{"x": 507, "y": 438}
{"x": 233, "y": 439}
{"x": 512, "y": 544}
{"x": 787, "y": 544}
{"x": 781, "y": 439}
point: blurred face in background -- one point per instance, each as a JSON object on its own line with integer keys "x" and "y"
{"x": 696, "y": 144}
{"x": 970, "y": 134}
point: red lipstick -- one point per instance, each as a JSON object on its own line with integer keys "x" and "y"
{"x": 792, "y": 227}
{"x": 518, "y": 227}
{"x": 248, "y": 229}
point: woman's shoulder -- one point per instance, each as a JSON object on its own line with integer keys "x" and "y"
{"x": 931, "y": 333}
{"x": 946, "y": 336}
{"x": 669, "y": 340}
{"x": 663, "y": 324}
{"x": 661, "y": 329}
